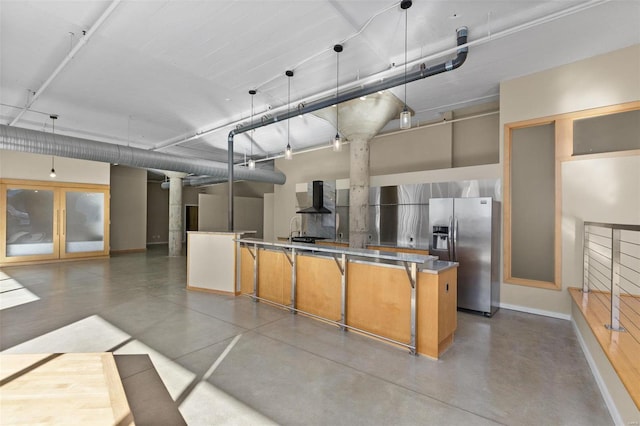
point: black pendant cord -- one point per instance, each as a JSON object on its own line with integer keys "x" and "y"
{"x": 337, "y": 104}
{"x": 406, "y": 30}
{"x": 288, "y": 111}
{"x": 289, "y": 74}
{"x": 251, "y": 92}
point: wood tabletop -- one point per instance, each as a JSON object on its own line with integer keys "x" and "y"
{"x": 69, "y": 389}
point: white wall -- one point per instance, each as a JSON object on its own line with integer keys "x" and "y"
{"x": 603, "y": 80}
{"x": 23, "y": 165}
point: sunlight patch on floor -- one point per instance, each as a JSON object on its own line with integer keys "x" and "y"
{"x": 12, "y": 293}
{"x": 91, "y": 334}
{"x": 208, "y": 405}
{"x": 204, "y": 404}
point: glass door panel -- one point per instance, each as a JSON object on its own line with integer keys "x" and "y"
{"x": 30, "y": 223}
{"x": 84, "y": 222}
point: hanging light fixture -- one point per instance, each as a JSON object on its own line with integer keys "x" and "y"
{"x": 288, "y": 153}
{"x": 53, "y": 118}
{"x": 337, "y": 141}
{"x": 252, "y": 163}
{"x": 405, "y": 115}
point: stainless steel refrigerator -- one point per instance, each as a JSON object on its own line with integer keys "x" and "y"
{"x": 467, "y": 231}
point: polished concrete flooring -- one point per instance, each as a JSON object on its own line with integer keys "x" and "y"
{"x": 228, "y": 360}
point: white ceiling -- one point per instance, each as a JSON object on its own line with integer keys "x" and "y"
{"x": 157, "y": 72}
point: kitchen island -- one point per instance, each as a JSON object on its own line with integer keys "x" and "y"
{"x": 212, "y": 264}
{"x": 406, "y": 299}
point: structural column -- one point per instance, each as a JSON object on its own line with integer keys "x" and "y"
{"x": 175, "y": 212}
{"x": 360, "y": 120}
{"x": 358, "y": 192}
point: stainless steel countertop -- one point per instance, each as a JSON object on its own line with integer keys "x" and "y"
{"x": 417, "y": 247}
{"x": 426, "y": 263}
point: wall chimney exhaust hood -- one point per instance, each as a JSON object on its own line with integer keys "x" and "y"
{"x": 318, "y": 204}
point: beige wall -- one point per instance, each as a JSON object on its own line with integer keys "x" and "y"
{"x": 595, "y": 82}
{"x": 424, "y": 154}
{"x": 158, "y": 210}
{"x": 157, "y": 214}
{"x": 128, "y": 208}
{"x": 603, "y": 190}
{"x": 248, "y": 215}
{"x": 23, "y": 165}
{"x": 268, "y": 222}
{"x": 240, "y": 189}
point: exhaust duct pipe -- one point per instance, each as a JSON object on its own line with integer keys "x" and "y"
{"x": 196, "y": 181}
{"x": 37, "y": 142}
{"x": 422, "y": 72}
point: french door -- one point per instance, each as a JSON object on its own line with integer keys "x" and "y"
{"x": 47, "y": 221}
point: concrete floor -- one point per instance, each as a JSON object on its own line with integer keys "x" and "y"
{"x": 227, "y": 360}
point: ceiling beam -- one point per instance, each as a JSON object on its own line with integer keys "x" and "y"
{"x": 83, "y": 40}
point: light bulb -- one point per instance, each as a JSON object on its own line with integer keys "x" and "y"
{"x": 252, "y": 164}
{"x": 288, "y": 153}
{"x": 405, "y": 119}
{"x": 337, "y": 143}
{"x": 53, "y": 173}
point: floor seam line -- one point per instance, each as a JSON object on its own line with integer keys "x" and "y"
{"x": 380, "y": 378}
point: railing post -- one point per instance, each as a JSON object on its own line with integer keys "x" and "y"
{"x": 585, "y": 259}
{"x": 615, "y": 281}
{"x": 294, "y": 280}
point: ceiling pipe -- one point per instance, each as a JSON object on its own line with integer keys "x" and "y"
{"x": 196, "y": 181}
{"x": 422, "y": 72}
{"x": 37, "y": 142}
{"x": 83, "y": 40}
{"x": 491, "y": 37}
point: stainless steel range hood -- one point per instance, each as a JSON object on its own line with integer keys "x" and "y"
{"x": 318, "y": 203}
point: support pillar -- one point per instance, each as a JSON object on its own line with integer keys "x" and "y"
{"x": 360, "y": 120}
{"x": 175, "y": 212}
{"x": 359, "y": 192}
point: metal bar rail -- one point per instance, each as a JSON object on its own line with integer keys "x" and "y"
{"x": 341, "y": 257}
{"x": 610, "y": 252}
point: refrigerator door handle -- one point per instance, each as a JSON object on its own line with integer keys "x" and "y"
{"x": 450, "y": 236}
{"x": 455, "y": 240}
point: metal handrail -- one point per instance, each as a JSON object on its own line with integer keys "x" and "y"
{"x": 613, "y": 256}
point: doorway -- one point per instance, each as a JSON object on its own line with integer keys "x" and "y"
{"x": 190, "y": 218}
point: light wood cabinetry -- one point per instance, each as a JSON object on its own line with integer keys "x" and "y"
{"x": 44, "y": 221}
{"x": 378, "y": 300}
{"x": 437, "y": 311}
{"x": 378, "y": 296}
{"x": 318, "y": 287}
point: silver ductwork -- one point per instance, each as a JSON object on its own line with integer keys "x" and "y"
{"x": 422, "y": 72}
{"x": 196, "y": 181}
{"x": 37, "y": 142}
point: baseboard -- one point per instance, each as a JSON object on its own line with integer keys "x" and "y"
{"x": 137, "y": 250}
{"x": 157, "y": 243}
{"x": 535, "y": 311}
{"x": 608, "y": 399}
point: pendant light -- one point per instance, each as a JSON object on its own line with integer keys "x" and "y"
{"x": 252, "y": 163}
{"x": 288, "y": 153}
{"x": 405, "y": 115}
{"x": 337, "y": 141}
{"x": 53, "y": 118}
